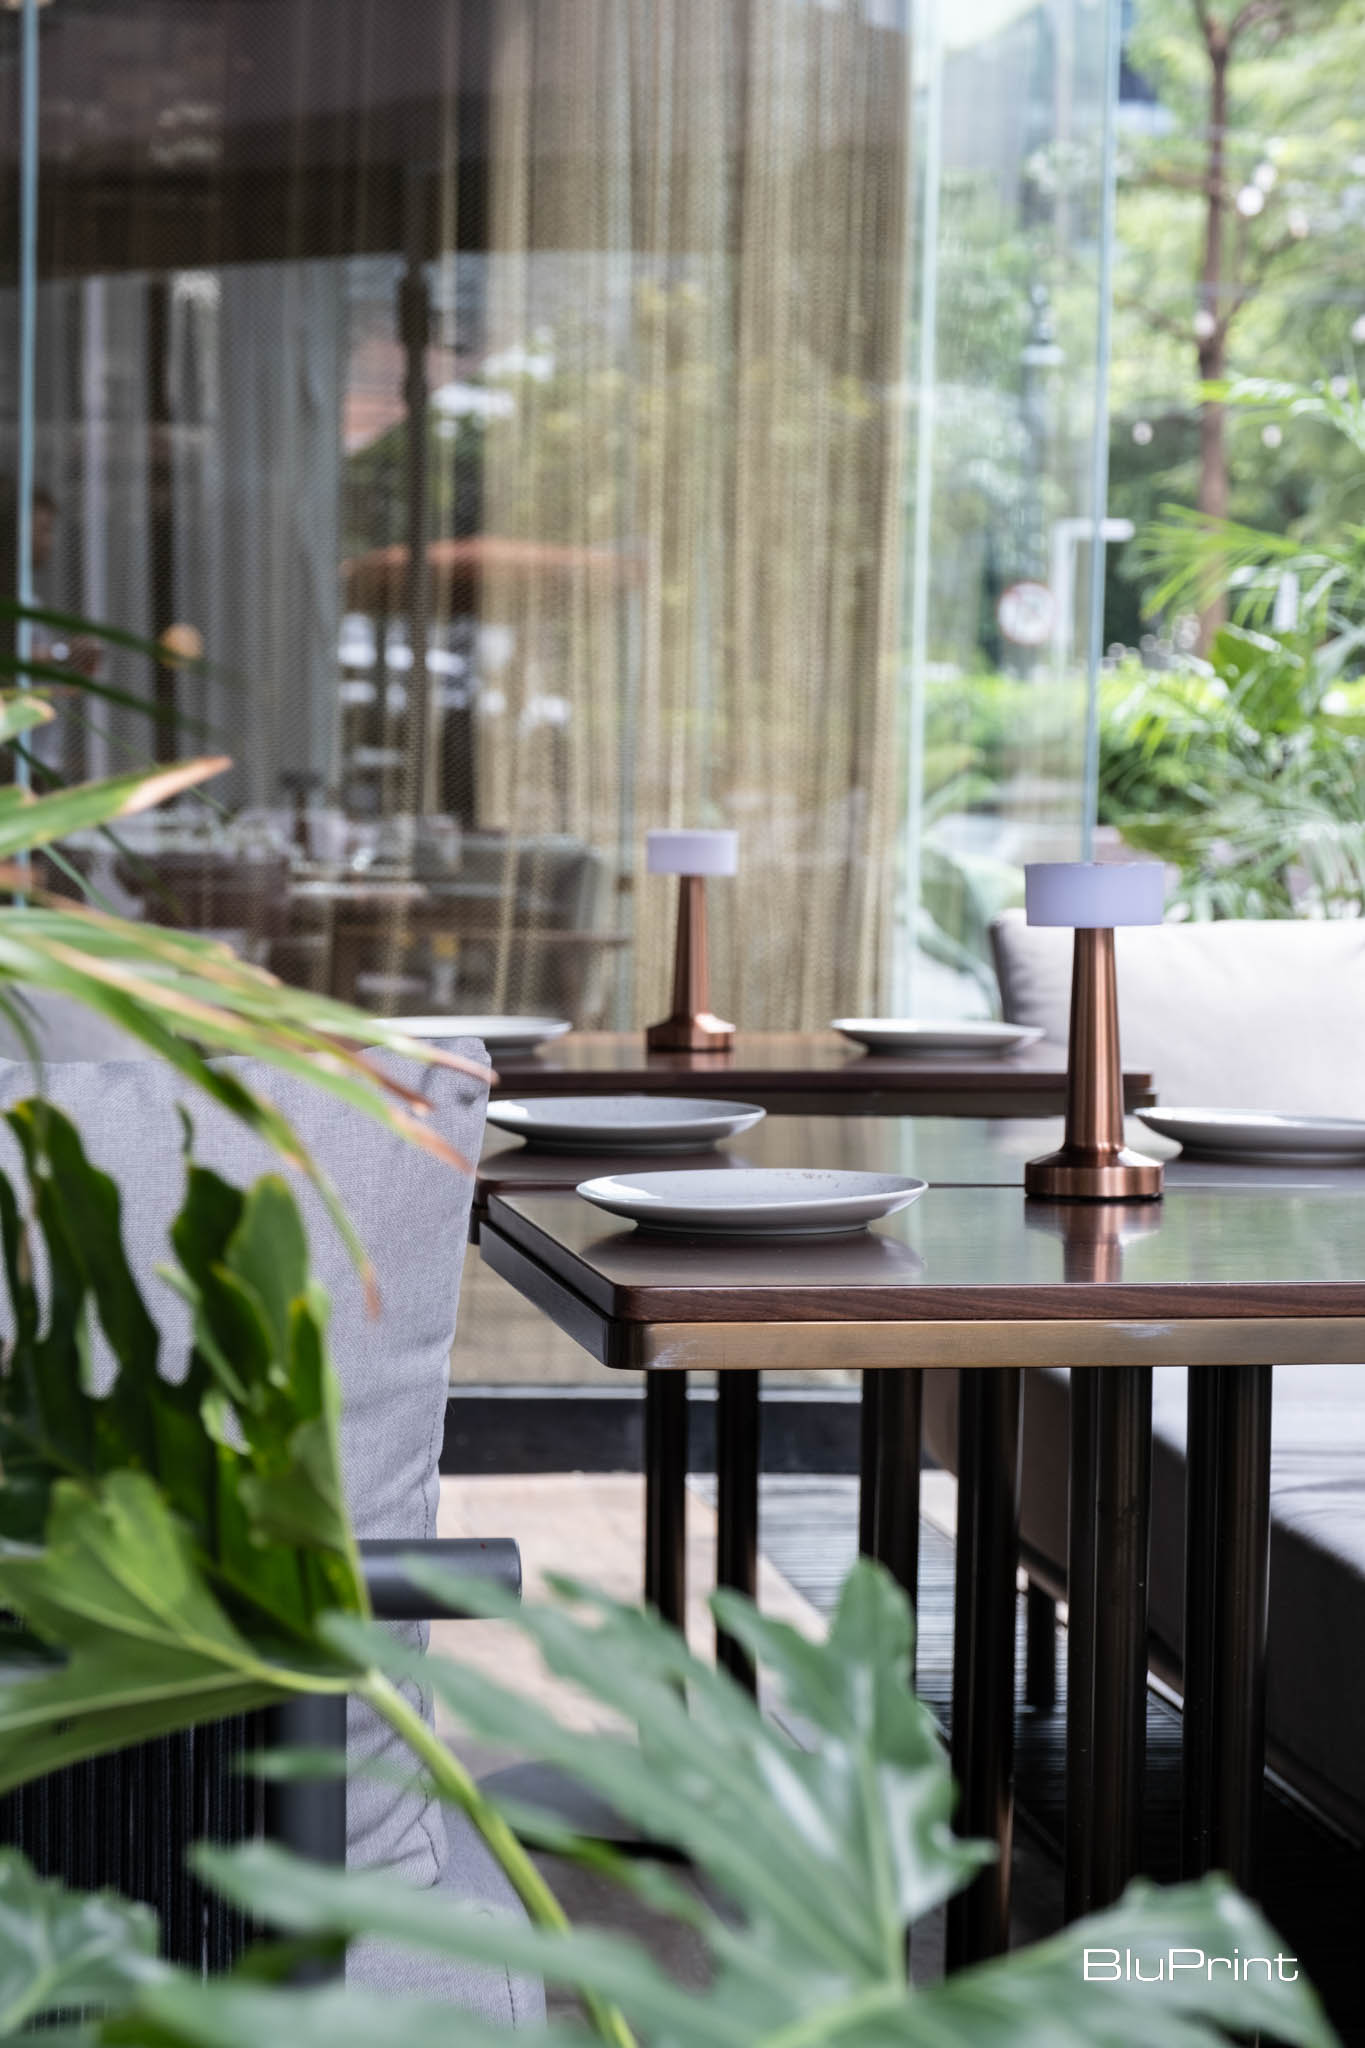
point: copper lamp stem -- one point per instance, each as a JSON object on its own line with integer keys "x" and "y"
{"x": 691, "y": 968}
{"x": 1094, "y": 1164}
{"x": 691, "y": 1027}
{"x": 1094, "y": 1084}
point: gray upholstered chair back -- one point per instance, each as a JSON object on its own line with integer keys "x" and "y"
{"x": 1227, "y": 1015}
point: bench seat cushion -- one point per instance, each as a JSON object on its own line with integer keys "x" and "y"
{"x": 1229, "y": 1015}
{"x": 473, "y": 1878}
{"x": 1316, "y": 1658}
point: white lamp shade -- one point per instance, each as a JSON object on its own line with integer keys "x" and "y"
{"x": 692, "y": 853}
{"x": 1094, "y": 895}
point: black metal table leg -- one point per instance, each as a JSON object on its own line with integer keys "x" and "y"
{"x": 1080, "y": 1639}
{"x": 896, "y": 1538}
{"x": 983, "y": 1652}
{"x": 1123, "y": 1494}
{"x": 1197, "y": 1732}
{"x": 666, "y": 1494}
{"x": 890, "y": 1473}
{"x": 869, "y": 1436}
{"x": 1227, "y": 1586}
{"x": 737, "y": 1461}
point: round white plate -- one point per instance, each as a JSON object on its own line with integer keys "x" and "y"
{"x": 913, "y": 1034}
{"x": 499, "y": 1034}
{"x": 624, "y": 1123}
{"x": 1259, "y": 1135}
{"x": 742, "y": 1201}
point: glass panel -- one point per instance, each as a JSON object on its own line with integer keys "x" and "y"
{"x": 562, "y": 418}
{"x": 510, "y": 410}
{"x": 999, "y": 504}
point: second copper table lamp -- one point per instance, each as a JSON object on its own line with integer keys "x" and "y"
{"x": 691, "y": 1025}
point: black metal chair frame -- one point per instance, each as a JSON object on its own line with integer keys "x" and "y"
{"x": 125, "y": 1820}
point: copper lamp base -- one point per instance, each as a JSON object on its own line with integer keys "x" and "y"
{"x": 1108, "y": 1173}
{"x": 703, "y": 1033}
{"x": 691, "y": 1025}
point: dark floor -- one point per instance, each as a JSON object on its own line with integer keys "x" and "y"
{"x": 1314, "y": 1888}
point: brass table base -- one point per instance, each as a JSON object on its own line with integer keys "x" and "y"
{"x": 1106, "y": 1173}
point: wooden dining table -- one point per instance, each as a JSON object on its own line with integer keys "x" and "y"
{"x": 810, "y": 1074}
{"x": 805, "y": 1072}
{"x": 1236, "y": 1271}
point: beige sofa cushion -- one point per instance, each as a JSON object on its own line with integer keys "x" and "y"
{"x": 1226, "y": 1015}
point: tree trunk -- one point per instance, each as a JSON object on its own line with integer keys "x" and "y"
{"x": 1212, "y": 339}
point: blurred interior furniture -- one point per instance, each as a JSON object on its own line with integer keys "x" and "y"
{"x": 525, "y": 917}
{"x": 411, "y": 1211}
{"x": 1239, "y": 1016}
{"x": 242, "y": 900}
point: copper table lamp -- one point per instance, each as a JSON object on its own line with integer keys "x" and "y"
{"x": 1094, "y": 1164}
{"x": 691, "y": 856}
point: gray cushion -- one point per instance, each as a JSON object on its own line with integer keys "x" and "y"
{"x": 68, "y": 1031}
{"x": 412, "y": 1213}
{"x": 1189, "y": 995}
{"x": 1316, "y": 1656}
{"x": 472, "y": 1877}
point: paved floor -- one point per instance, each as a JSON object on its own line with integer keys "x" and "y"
{"x": 588, "y": 1524}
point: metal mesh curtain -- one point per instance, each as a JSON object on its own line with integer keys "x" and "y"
{"x": 697, "y": 247}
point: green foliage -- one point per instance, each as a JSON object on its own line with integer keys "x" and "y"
{"x": 819, "y": 1857}
{"x": 170, "y": 1542}
{"x": 63, "y": 1950}
{"x": 1248, "y": 770}
{"x": 1294, "y": 130}
{"x": 169, "y": 1546}
{"x": 176, "y": 1550}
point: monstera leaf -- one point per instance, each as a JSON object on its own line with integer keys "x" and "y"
{"x": 167, "y": 1546}
{"x": 820, "y": 1854}
{"x": 63, "y": 1951}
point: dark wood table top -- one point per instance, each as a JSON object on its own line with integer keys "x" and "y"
{"x": 814, "y": 1072}
{"x": 966, "y": 1275}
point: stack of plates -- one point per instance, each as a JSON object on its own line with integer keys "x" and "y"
{"x": 1259, "y": 1137}
{"x": 624, "y": 1123}
{"x": 753, "y": 1201}
{"x": 914, "y": 1035}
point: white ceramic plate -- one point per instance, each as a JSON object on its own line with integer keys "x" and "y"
{"x": 624, "y": 1123}
{"x": 914, "y": 1034}
{"x": 499, "y": 1034}
{"x": 1259, "y": 1135}
{"x": 753, "y": 1201}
